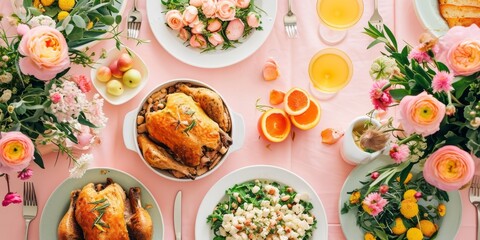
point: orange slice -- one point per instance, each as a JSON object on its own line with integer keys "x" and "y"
{"x": 310, "y": 118}
{"x": 274, "y": 125}
{"x": 276, "y": 97}
{"x": 331, "y": 136}
{"x": 296, "y": 101}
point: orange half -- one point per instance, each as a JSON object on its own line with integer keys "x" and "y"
{"x": 310, "y": 118}
{"x": 274, "y": 125}
{"x": 296, "y": 101}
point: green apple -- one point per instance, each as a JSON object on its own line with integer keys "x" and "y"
{"x": 132, "y": 78}
{"x": 115, "y": 87}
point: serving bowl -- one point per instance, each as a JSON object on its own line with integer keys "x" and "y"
{"x": 130, "y": 132}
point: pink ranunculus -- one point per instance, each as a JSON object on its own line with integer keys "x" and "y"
{"x": 253, "y": 20}
{"x": 22, "y": 29}
{"x": 16, "y": 151}
{"x": 449, "y": 168}
{"x": 214, "y": 25}
{"x": 184, "y": 34}
{"x": 242, "y": 3}
{"x": 174, "y": 19}
{"x": 215, "y": 39}
{"x": 196, "y": 3}
{"x": 11, "y": 198}
{"x": 190, "y": 15}
{"x": 198, "y": 41}
{"x": 198, "y": 27}
{"x": 83, "y": 82}
{"x": 209, "y": 8}
{"x": 459, "y": 49}
{"x": 421, "y": 114}
{"x": 442, "y": 82}
{"x": 226, "y": 10}
{"x": 25, "y": 174}
{"x": 399, "y": 153}
{"x": 375, "y": 203}
{"x": 45, "y": 53}
{"x": 381, "y": 98}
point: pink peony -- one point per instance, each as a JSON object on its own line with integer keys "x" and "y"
{"x": 449, "y": 168}
{"x": 11, "y": 198}
{"x": 45, "y": 53}
{"x": 399, "y": 153}
{"x": 82, "y": 82}
{"x": 174, "y": 19}
{"x": 421, "y": 114}
{"x": 16, "y": 151}
{"x": 375, "y": 203}
{"x": 25, "y": 174}
{"x": 459, "y": 49}
{"x": 418, "y": 55}
{"x": 442, "y": 82}
{"x": 381, "y": 98}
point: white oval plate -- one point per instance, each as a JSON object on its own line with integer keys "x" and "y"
{"x": 58, "y": 202}
{"x": 448, "y": 225}
{"x": 429, "y": 14}
{"x": 261, "y": 172}
{"x": 211, "y": 59}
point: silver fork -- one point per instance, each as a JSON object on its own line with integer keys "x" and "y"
{"x": 134, "y": 22}
{"x": 29, "y": 205}
{"x": 376, "y": 20}
{"x": 290, "y": 22}
{"x": 474, "y": 196}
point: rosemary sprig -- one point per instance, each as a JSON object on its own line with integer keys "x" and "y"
{"x": 190, "y": 126}
{"x": 260, "y": 107}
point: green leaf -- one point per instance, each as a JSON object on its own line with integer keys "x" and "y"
{"x": 38, "y": 159}
{"x": 82, "y": 119}
{"x": 69, "y": 29}
{"x": 390, "y": 36}
{"x": 398, "y": 94}
{"x": 34, "y": 11}
{"x": 108, "y": 20}
{"x": 421, "y": 81}
{"x": 442, "y": 67}
{"x": 59, "y": 75}
{"x": 76, "y": 34}
{"x": 79, "y": 22}
{"x": 118, "y": 19}
{"x": 460, "y": 85}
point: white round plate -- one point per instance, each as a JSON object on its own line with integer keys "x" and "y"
{"x": 58, "y": 202}
{"x": 448, "y": 225}
{"x": 261, "y": 172}
{"x": 211, "y": 59}
{"x": 429, "y": 14}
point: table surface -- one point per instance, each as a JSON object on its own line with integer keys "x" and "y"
{"x": 241, "y": 85}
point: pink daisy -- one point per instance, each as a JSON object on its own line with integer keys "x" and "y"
{"x": 380, "y": 97}
{"x": 399, "y": 153}
{"x": 419, "y": 55}
{"x": 442, "y": 82}
{"x": 375, "y": 202}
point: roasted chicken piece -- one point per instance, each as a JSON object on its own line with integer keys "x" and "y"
{"x": 68, "y": 229}
{"x": 139, "y": 224}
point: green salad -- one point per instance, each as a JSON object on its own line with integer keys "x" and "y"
{"x": 263, "y": 210}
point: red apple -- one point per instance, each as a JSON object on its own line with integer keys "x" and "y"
{"x": 114, "y": 69}
{"x": 125, "y": 62}
{"x": 104, "y": 74}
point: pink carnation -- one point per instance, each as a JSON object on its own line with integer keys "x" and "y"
{"x": 442, "y": 82}
{"x": 82, "y": 82}
{"x": 419, "y": 55}
{"x": 11, "y": 198}
{"x": 56, "y": 97}
{"x": 380, "y": 97}
{"x": 25, "y": 174}
{"x": 399, "y": 153}
{"x": 375, "y": 203}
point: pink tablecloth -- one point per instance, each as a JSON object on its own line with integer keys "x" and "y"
{"x": 241, "y": 85}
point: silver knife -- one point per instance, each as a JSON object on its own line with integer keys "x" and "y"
{"x": 177, "y": 216}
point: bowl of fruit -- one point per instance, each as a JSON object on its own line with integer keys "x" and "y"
{"x": 120, "y": 76}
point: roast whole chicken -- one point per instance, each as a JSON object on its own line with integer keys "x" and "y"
{"x": 104, "y": 212}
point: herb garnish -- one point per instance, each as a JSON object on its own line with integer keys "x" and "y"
{"x": 100, "y": 208}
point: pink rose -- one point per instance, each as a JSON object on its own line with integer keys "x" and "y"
{"x": 196, "y": 3}
{"x": 214, "y": 25}
{"x": 174, "y": 19}
{"x": 449, "y": 168}
{"x": 209, "y": 8}
{"x": 459, "y": 49}
{"x": 82, "y": 82}
{"x": 253, "y": 20}
{"x": 198, "y": 41}
{"x": 235, "y": 29}
{"x": 242, "y": 3}
{"x": 215, "y": 39}
{"x": 22, "y": 29}
{"x": 421, "y": 114}
{"x": 184, "y": 34}
{"x": 11, "y": 198}
{"x": 190, "y": 15}
{"x": 16, "y": 151}
{"x": 226, "y": 10}
{"x": 45, "y": 51}
{"x": 198, "y": 28}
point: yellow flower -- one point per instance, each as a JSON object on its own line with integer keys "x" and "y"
{"x": 442, "y": 209}
{"x": 36, "y": 3}
{"x": 369, "y": 236}
{"x": 399, "y": 227}
{"x": 367, "y": 209}
{"x": 10, "y": 108}
{"x": 89, "y": 25}
{"x": 427, "y": 227}
{"x": 62, "y": 15}
{"x": 409, "y": 177}
{"x": 409, "y": 208}
{"x": 414, "y": 234}
{"x": 47, "y": 3}
{"x": 355, "y": 197}
{"x": 410, "y": 194}
{"x": 66, "y": 5}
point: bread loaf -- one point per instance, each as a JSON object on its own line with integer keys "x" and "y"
{"x": 460, "y": 12}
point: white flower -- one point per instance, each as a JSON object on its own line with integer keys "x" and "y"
{"x": 383, "y": 68}
{"x": 81, "y": 166}
{"x": 42, "y": 20}
{"x": 6, "y": 77}
{"x": 7, "y": 94}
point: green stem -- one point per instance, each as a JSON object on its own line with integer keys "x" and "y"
{"x": 409, "y": 138}
{"x": 8, "y": 182}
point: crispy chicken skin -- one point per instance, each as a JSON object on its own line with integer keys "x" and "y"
{"x": 184, "y": 128}
{"x": 139, "y": 225}
{"x": 68, "y": 229}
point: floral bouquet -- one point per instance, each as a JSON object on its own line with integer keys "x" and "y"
{"x": 436, "y": 90}
{"x": 207, "y": 24}
{"x": 40, "y": 105}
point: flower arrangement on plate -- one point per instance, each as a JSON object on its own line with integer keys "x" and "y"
{"x": 208, "y": 24}
{"x": 40, "y": 105}
{"x": 436, "y": 91}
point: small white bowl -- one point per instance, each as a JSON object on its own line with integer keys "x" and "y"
{"x": 129, "y": 93}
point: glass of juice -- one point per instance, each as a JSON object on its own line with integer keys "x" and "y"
{"x": 336, "y": 16}
{"x": 330, "y": 71}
